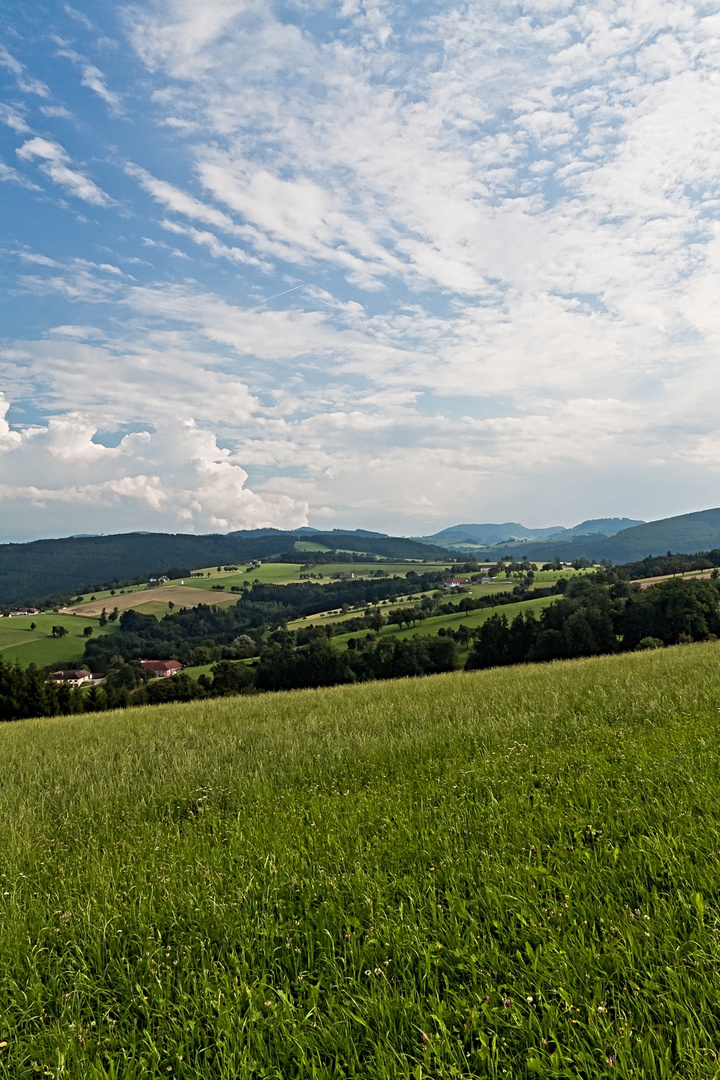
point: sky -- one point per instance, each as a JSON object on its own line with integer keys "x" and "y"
{"x": 385, "y": 264}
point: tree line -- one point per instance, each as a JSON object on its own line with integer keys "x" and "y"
{"x": 601, "y": 613}
{"x": 281, "y": 666}
{"x": 595, "y": 617}
{"x": 206, "y": 632}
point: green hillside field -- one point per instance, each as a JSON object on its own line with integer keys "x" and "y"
{"x": 154, "y": 600}
{"x": 471, "y": 619}
{"x": 18, "y": 642}
{"x": 510, "y": 873}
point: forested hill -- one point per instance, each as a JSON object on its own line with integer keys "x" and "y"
{"x": 699, "y": 531}
{"x": 30, "y": 572}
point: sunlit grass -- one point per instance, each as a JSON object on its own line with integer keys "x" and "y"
{"x": 499, "y": 874}
{"x": 471, "y": 619}
{"x": 19, "y": 643}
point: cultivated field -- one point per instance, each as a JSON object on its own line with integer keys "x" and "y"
{"x": 155, "y": 600}
{"x": 645, "y": 583}
{"x": 152, "y": 601}
{"x": 508, "y": 873}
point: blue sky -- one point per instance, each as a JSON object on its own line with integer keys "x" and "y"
{"x": 362, "y": 263}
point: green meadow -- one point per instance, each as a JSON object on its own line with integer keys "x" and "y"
{"x": 471, "y": 619}
{"x": 510, "y": 873}
{"x": 19, "y": 643}
{"x": 268, "y": 574}
{"x": 283, "y": 573}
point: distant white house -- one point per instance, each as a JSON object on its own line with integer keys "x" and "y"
{"x": 456, "y": 582}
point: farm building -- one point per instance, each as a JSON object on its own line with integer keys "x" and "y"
{"x": 162, "y": 668}
{"x": 71, "y": 678}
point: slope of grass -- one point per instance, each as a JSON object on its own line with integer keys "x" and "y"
{"x": 283, "y": 573}
{"x": 429, "y": 627}
{"x": 268, "y": 574}
{"x": 19, "y": 643}
{"x": 500, "y": 874}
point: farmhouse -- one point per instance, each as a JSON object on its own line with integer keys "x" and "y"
{"x": 162, "y": 668}
{"x": 456, "y": 582}
{"x": 71, "y": 678}
{"x": 343, "y": 575}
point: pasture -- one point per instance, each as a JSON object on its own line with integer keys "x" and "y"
{"x": 283, "y": 573}
{"x": 152, "y": 601}
{"x": 19, "y": 643}
{"x": 509, "y": 873}
{"x": 471, "y": 619}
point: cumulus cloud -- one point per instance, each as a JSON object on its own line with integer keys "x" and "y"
{"x": 55, "y": 163}
{"x": 177, "y": 474}
{"x": 430, "y": 251}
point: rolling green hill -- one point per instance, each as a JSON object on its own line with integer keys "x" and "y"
{"x": 510, "y": 874}
{"x": 688, "y": 533}
{"x": 492, "y": 534}
{"x": 79, "y": 564}
{"x": 18, "y": 642}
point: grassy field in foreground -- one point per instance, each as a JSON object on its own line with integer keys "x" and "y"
{"x": 509, "y": 873}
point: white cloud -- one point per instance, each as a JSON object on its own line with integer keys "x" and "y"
{"x": 24, "y": 82}
{"x": 94, "y": 79}
{"x": 10, "y": 175}
{"x": 178, "y": 475}
{"x": 13, "y": 119}
{"x": 181, "y": 32}
{"x": 487, "y": 238}
{"x": 55, "y": 164}
{"x": 217, "y": 248}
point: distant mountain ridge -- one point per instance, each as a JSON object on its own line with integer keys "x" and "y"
{"x": 686, "y": 533}
{"x": 45, "y": 568}
{"x": 491, "y": 534}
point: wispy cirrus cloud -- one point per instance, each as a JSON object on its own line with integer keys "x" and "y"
{"x": 24, "y": 82}
{"x": 55, "y": 163}
{"x": 423, "y": 252}
{"x": 92, "y": 78}
{"x": 10, "y": 175}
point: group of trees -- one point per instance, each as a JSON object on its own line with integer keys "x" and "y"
{"x": 593, "y": 614}
{"x": 659, "y": 565}
{"x": 206, "y": 633}
{"x": 282, "y": 666}
{"x": 595, "y": 617}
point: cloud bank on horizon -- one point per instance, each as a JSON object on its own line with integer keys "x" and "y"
{"x": 373, "y": 262}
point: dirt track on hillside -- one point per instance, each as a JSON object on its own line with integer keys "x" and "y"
{"x": 691, "y": 575}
